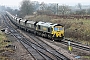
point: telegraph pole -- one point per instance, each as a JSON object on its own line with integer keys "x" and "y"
{"x": 57, "y": 8}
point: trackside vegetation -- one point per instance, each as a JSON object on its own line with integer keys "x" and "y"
{"x": 3, "y": 45}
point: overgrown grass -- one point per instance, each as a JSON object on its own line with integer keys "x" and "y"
{"x": 3, "y": 45}
{"x": 3, "y": 58}
{"x": 44, "y": 18}
{"x": 86, "y": 57}
{"x": 2, "y": 38}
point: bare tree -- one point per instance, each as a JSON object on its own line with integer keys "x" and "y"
{"x": 26, "y": 8}
{"x": 36, "y": 5}
{"x": 43, "y": 6}
{"x": 52, "y": 7}
{"x": 88, "y": 11}
{"x": 79, "y": 6}
{"x": 63, "y": 9}
{"x": 80, "y": 11}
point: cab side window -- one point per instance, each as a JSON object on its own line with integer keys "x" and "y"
{"x": 48, "y": 29}
{"x": 39, "y": 27}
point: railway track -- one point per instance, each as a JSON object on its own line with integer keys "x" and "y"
{"x": 76, "y": 45}
{"x": 38, "y": 51}
{"x": 46, "y": 47}
{"x": 73, "y": 44}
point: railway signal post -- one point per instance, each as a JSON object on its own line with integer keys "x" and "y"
{"x": 69, "y": 47}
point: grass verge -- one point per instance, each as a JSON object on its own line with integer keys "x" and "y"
{"x": 3, "y": 49}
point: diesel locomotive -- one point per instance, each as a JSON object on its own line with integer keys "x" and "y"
{"x": 44, "y": 29}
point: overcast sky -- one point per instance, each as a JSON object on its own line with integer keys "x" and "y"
{"x": 67, "y": 2}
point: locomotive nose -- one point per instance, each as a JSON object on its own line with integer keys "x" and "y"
{"x": 58, "y": 34}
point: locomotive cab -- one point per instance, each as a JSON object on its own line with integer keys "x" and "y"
{"x": 58, "y": 32}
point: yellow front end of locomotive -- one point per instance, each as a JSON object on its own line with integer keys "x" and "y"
{"x": 58, "y": 31}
